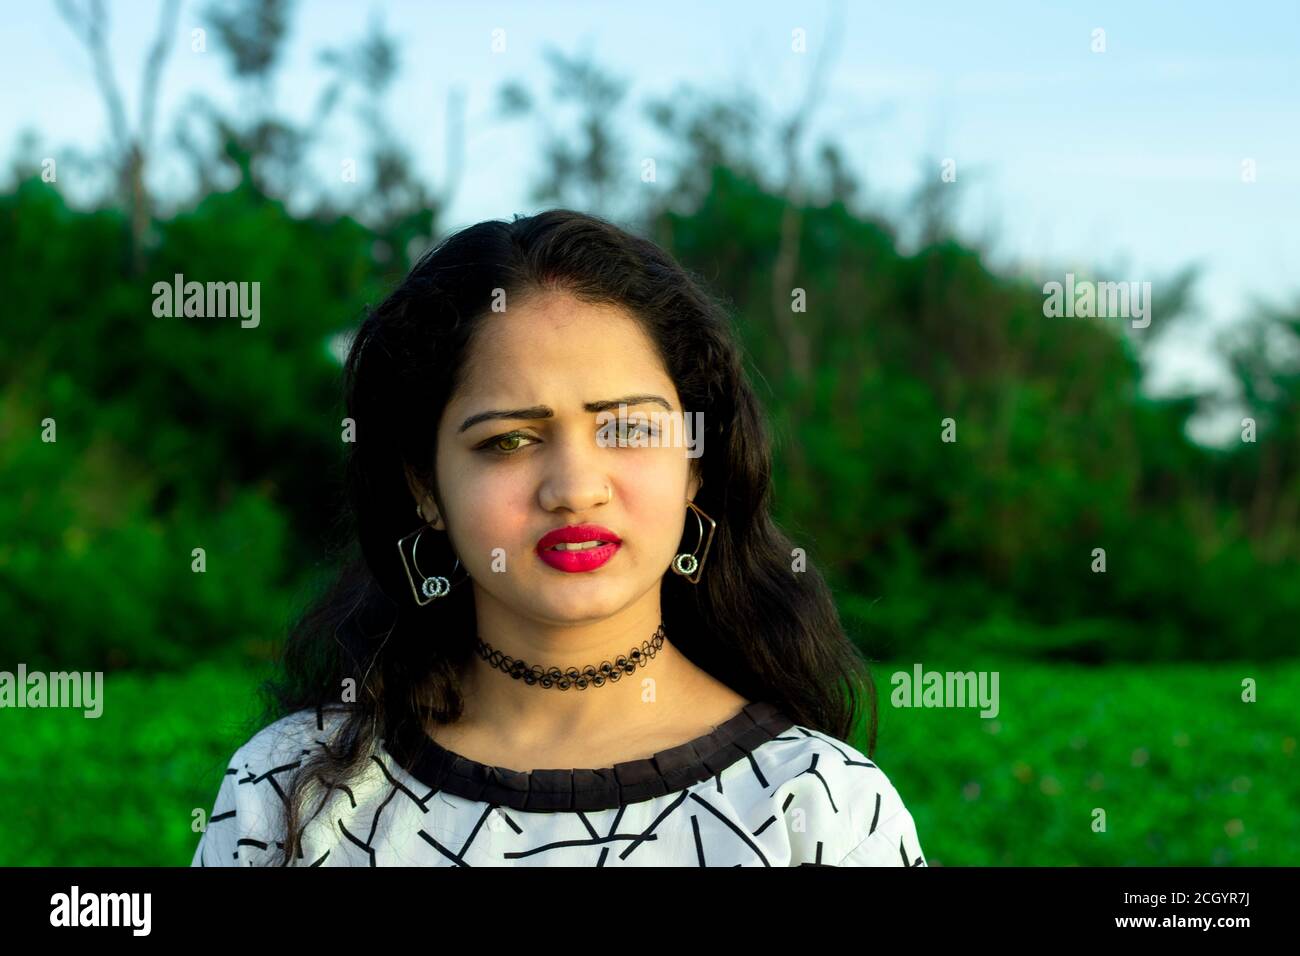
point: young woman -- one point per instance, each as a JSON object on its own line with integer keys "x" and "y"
{"x": 570, "y": 634}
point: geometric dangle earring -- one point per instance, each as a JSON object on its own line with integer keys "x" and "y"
{"x": 430, "y": 586}
{"x": 690, "y": 566}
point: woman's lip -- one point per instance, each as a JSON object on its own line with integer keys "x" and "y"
{"x": 576, "y": 534}
{"x": 587, "y": 559}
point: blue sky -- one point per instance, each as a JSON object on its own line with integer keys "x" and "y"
{"x": 1127, "y": 161}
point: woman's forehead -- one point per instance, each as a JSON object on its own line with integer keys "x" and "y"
{"x": 556, "y": 319}
{"x": 570, "y": 350}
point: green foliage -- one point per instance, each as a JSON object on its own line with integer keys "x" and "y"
{"x": 1187, "y": 773}
{"x": 1057, "y": 455}
{"x": 121, "y": 789}
{"x": 173, "y": 434}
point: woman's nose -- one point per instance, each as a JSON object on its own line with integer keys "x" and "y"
{"x": 575, "y": 478}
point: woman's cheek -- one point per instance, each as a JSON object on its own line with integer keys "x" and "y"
{"x": 496, "y": 515}
{"x": 655, "y": 490}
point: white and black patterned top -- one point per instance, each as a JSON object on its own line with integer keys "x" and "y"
{"x": 759, "y": 790}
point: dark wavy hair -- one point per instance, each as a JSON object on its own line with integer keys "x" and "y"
{"x": 766, "y": 631}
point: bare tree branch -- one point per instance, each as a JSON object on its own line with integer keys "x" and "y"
{"x": 787, "y": 257}
{"x": 90, "y": 25}
{"x": 162, "y": 46}
{"x": 455, "y": 153}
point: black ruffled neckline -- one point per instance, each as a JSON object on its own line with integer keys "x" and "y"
{"x": 549, "y": 790}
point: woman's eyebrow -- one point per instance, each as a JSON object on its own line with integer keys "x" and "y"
{"x": 545, "y": 411}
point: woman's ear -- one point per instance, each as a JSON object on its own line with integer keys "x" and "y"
{"x": 693, "y": 488}
{"x": 428, "y": 509}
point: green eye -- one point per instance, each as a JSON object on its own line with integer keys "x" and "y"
{"x": 494, "y": 445}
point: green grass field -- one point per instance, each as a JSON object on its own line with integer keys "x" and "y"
{"x": 1186, "y": 772}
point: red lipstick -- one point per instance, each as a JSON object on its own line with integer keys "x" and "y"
{"x": 587, "y": 559}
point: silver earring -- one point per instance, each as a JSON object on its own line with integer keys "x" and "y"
{"x": 689, "y": 565}
{"x": 430, "y": 586}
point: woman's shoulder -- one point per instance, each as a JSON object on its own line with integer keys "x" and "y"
{"x": 840, "y": 806}
{"x": 289, "y": 738}
{"x": 251, "y": 796}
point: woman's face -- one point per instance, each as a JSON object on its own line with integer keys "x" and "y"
{"x": 507, "y": 481}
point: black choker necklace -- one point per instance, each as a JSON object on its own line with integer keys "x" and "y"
{"x": 573, "y": 677}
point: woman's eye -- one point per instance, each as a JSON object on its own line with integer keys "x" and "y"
{"x": 495, "y": 444}
{"x": 645, "y": 428}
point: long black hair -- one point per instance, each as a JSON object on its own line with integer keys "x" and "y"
{"x": 767, "y": 631}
